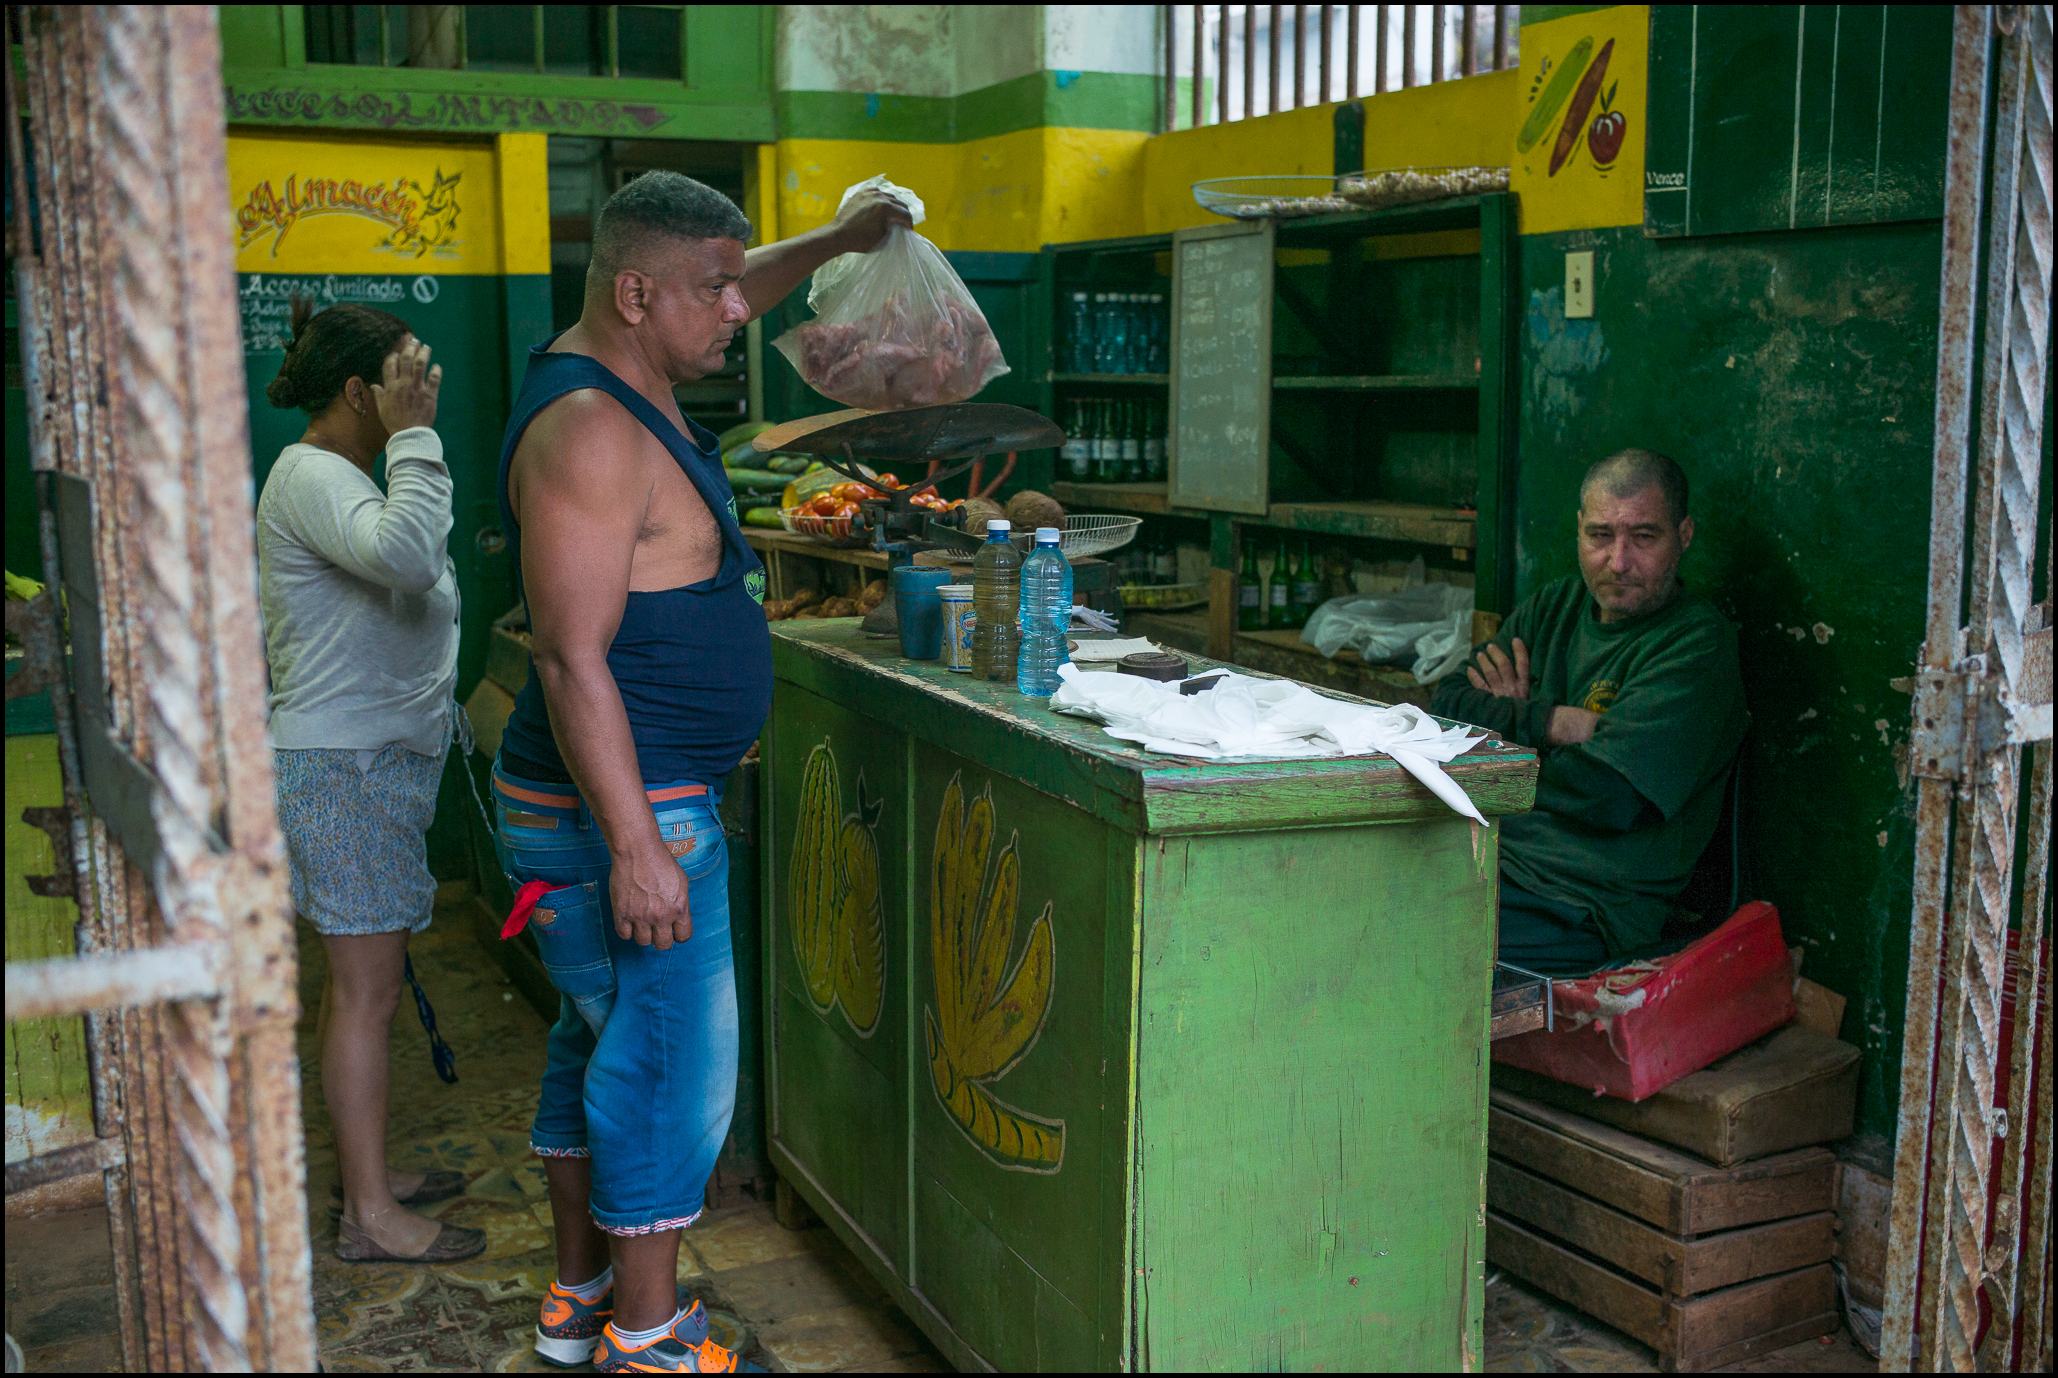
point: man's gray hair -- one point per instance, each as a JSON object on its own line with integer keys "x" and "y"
{"x": 1628, "y": 472}
{"x": 667, "y": 205}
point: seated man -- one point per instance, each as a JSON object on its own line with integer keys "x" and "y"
{"x": 1627, "y": 685}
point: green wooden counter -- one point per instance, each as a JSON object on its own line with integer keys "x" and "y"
{"x": 1107, "y": 1060}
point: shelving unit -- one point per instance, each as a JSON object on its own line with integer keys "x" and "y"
{"x": 1131, "y": 499}
{"x": 1381, "y": 413}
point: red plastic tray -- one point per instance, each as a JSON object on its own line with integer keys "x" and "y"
{"x": 1632, "y": 1032}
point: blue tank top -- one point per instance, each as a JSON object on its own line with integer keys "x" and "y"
{"x": 693, "y": 664}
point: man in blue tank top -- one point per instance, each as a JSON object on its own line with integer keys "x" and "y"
{"x": 652, "y": 677}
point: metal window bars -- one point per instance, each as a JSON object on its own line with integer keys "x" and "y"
{"x": 1969, "y": 1253}
{"x": 1274, "y": 47}
{"x": 139, "y": 439}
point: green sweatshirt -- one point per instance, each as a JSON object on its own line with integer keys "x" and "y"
{"x": 1620, "y": 820}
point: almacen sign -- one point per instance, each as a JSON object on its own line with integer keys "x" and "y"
{"x": 362, "y": 206}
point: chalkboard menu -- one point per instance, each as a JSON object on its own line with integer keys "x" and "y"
{"x": 1222, "y": 367}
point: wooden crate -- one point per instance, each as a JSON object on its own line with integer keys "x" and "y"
{"x": 1691, "y": 1334}
{"x": 1707, "y": 1265}
{"x": 1679, "y": 1193}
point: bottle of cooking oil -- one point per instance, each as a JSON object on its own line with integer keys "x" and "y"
{"x": 996, "y": 603}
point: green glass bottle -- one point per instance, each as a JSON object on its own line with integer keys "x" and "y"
{"x": 1307, "y": 588}
{"x": 1279, "y": 603}
{"x": 1250, "y": 592}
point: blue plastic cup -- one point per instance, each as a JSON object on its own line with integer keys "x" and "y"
{"x": 919, "y": 606}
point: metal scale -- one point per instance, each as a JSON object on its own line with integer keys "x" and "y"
{"x": 952, "y": 438}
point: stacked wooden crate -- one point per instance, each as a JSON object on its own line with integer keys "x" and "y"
{"x": 1704, "y": 1263}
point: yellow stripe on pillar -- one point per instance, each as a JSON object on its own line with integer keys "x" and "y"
{"x": 524, "y": 184}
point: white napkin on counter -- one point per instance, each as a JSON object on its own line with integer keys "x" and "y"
{"x": 1114, "y": 648}
{"x": 1246, "y": 716}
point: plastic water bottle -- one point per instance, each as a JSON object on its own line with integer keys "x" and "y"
{"x": 1046, "y": 616}
{"x": 996, "y": 598}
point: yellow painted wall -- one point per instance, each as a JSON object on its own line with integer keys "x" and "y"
{"x": 349, "y": 204}
{"x": 1011, "y": 193}
{"x": 1017, "y": 192}
{"x": 1449, "y": 124}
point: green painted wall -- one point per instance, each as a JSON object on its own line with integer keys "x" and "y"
{"x": 1793, "y": 376}
{"x": 725, "y": 91}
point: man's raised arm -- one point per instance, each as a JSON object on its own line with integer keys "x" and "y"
{"x": 582, "y": 502}
{"x": 773, "y": 270}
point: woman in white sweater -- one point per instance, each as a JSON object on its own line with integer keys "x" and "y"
{"x": 360, "y": 612}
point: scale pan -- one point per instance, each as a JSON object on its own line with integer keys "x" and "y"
{"x": 959, "y": 430}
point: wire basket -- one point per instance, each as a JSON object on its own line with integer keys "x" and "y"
{"x": 1081, "y": 537}
{"x": 1270, "y": 198}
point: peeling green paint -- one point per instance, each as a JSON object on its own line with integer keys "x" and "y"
{"x": 1793, "y": 376}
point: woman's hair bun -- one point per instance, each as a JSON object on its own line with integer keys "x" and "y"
{"x": 280, "y": 391}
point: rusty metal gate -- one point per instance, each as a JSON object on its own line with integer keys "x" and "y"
{"x": 185, "y": 970}
{"x": 1969, "y": 1260}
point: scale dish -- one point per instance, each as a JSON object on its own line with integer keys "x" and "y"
{"x": 1083, "y": 536}
{"x": 1270, "y": 198}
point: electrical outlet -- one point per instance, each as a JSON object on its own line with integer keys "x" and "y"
{"x": 1579, "y": 285}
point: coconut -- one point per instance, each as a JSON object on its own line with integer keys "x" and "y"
{"x": 976, "y": 512}
{"x": 1028, "y": 510}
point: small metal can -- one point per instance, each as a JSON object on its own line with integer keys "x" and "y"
{"x": 958, "y": 620}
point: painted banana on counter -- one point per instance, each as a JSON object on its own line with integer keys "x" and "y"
{"x": 987, "y": 1014}
{"x": 834, "y": 905}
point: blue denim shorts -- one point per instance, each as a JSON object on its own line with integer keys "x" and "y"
{"x": 641, "y": 1068}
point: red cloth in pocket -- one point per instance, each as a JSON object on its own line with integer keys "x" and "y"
{"x": 525, "y": 905}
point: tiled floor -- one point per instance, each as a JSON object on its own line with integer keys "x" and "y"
{"x": 795, "y": 1301}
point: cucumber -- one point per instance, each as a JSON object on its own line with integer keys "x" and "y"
{"x": 741, "y": 479}
{"x": 763, "y": 516}
{"x": 743, "y": 431}
{"x": 789, "y": 464}
{"x": 1553, "y": 99}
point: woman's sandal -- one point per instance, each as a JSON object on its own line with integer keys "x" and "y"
{"x": 438, "y": 1184}
{"x": 452, "y": 1242}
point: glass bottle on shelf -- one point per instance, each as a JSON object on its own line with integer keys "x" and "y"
{"x": 1250, "y": 591}
{"x": 1107, "y": 449}
{"x": 1307, "y": 587}
{"x": 1132, "y": 443}
{"x": 1079, "y": 351}
{"x": 1161, "y": 334}
{"x": 1164, "y": 562}
{"x": 1118, "y": 333}
{"x": 1153, "y": 442}
{"x": 1279, "y": 597}
{"x": 1077, "y": 454}
{"x": 1096, "y": 360}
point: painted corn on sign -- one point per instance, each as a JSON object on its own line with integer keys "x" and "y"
{"x": 987, "y": 1013}
{"x": 837, "y": 917}
{"x": 1578, "y": 157}
{"x": 362, "y": 206}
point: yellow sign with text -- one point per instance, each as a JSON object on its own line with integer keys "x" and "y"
{"x": 1578, "y": 156}
{"x": 364, "y": 206}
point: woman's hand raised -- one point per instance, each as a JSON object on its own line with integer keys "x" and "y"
{"x": 407, "y": 397}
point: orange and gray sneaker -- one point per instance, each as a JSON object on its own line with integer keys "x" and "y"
{"x": 568, "y": 1327}
{"x": 667, "y": 1354}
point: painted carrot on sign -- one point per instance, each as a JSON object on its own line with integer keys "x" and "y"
{"x": 1582, "y": 102}
{"x": 1553, "y": 98}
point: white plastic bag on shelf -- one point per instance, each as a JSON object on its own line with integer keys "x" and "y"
{"x": 1427, "y": 625}
{"x": 893, "y": 328}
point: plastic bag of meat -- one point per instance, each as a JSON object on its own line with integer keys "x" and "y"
{"x": 894, "y": 328}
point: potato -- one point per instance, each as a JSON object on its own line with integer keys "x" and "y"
{"x": 803, "y": 597}
{"x": 840, "y": 607}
